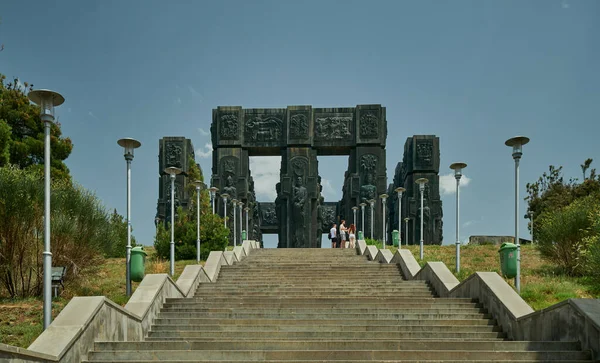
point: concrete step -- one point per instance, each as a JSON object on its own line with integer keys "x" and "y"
{"x": 351, "y": 308}
{"x": 250, "y": 329}
{"x": 388, "y": 317}
{"x": 199, "y": 359}
{"x": 355, "y": 337}
{"x": 335, "y": 355}
{"x": 317, "y": 294}
{"x": 322, "y": 312}
{"x": 341, "y": 345}
{"x": 318, "y": 323}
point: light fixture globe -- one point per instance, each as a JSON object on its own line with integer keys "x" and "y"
{"x": 225, "y": 196}
{"x": 400, "y": 190}
{"x": 128, "y": 145}
{"x": 458, "y": 167}
{"x": 198, "y": 184}
{"x": 517, "y": 143}
{"x": 355, "y": 208}
{"x": 47, "y": 100}
{"x": 363, "y": 205}
{"x": 383, "y": 196}
{"x": 422, "y": 181}
{"x": 171, "y": 170}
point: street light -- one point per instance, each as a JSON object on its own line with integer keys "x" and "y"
{"x": 517, "y": 143}
{"x": 240, "y": 207}
{"x": 213, "y": 192}
{"x": 383, "y": 199}
{"x": 247, "y": 209}
{"x": 372, "y": 203}
{"x": 406, "y": 229}
{"x": 400, "y": 190}
{"x": 354, "y": 209}
{"x": 225, "y": 196}
{"x": 234, "y": 205}
{"x": 172, "y": 171}
{"x": 47, "y": 100}
{"x": 199, "y": 184}
{"x": 457, "y": 167}
{"x": 128, "y": 145}
{"x": 421, "y": 182}
{"x": 362, "y": 213}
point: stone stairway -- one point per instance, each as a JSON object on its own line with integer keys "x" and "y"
{"x": 322, "y": 305}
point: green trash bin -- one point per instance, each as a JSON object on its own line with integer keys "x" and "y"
{"x": 396, "y": 238}
{"x": 360, "y": 235}
{"x": 243, "y": 235}
{"x": 508, "y": 259}
{"x": 138, "y": 257}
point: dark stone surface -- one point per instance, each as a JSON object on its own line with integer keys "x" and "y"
{"x": 173, "y": 151}
{"x": 299, "y": 134}
{"x": 421, "y": 160}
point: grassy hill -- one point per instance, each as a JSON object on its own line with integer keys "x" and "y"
{"x": 542, "y": 285}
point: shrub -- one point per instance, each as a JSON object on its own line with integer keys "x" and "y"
{"x": 566, "y": 236}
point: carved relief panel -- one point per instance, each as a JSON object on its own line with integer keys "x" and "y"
{"x": 299, "y": 126}
{"x": 333, "y": 127}
{"x": 229, "y": 125}
{"x": 263, "y": 128}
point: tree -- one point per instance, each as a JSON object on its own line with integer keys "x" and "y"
{"x": 585, "y": 166}
{"x": 22, "y": 133}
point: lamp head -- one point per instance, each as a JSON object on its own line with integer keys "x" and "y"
{"x": 406, "y": 219}
{"x": 354, "y": 209}
{"x": 383, "y": 196}
{"x": 224, "y": 196}
{"x": 371, "y": 202}
{"x": 457, "y": 167}
{"x": 517, "y": 143}
{"x": 128, "y": 145}
{"x": 240, "y": 204}
{"x": 47, "y": 100}
{"x": 400, "y": 190}
{"x": 198, "y": 184}
{"x": 363, "y": 205}
{"x": 246, "y": 209}
{"x": 421, "y": 182}
{"x": 172, "y": 171}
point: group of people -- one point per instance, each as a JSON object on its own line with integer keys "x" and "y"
{"x": 346, "y": 238}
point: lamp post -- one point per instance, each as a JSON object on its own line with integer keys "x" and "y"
{"x": 383, "y": 199}
{"x": 172, "y": 171}
{"x": 199, "y": 184}
{"x": 240, "y": 207}
{"x": 406, "y": 229}
{"x": 421, "y": 182}
{"x": 400, "y": 190}
{"x": 213, "y": 192}
{"x": 247, "y": 209}
{"x": 128, "y": 145}
{"x": 47, "y": 100}
{"x": 362, "y": 213}
{"x": 234, "y": 205}
{"x": 457, "y": 167}
{"x": 372, "y": 203}
{"x": 354, "y": 209}
{"x": 517, "y": 143}
{"x": 225, "y": 196}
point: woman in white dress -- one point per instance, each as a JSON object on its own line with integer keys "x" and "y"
{"x": 352, "y": 235}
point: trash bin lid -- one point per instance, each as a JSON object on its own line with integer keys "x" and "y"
{"x": 507, "y": 245}
{"x": 139, "y": 249}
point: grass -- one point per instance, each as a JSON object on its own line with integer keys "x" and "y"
{"x": 542, "y": 285}
{"x": 21, "y": 319}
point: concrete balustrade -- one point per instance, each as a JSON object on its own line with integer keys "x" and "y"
{"x": 88, "y": 319}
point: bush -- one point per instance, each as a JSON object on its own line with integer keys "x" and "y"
{"x": 374, "y": 242}
{"x": 566, "y": 236}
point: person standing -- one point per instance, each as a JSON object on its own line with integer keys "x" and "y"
{"x": 343, "y": 234}
{"x": 352, "y": 235}
{"x": 333, "y": 236}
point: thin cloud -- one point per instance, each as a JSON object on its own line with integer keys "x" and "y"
{"x": 265, "y": 172}
{"x": 203, "y": 132}
{"x": 91, "y": 114}
{"x": 468, "y": 223}
{"x": 178, "y": 101}
{"x": 206, "y": 153}
{"x": 327, "y": 188}
{"x": 565, "y": 5}
{"x": 194, "y": 92}
{"x": 69, "y": 109}
{"x": 448, "y": 183}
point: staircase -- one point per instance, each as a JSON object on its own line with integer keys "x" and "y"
{"x": 323, "y": 305}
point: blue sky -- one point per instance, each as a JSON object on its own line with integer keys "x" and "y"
{"x": 473, "y": 73}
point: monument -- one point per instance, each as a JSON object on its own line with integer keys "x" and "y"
{"x": 299, "y": 215}
{"x": 173, "y": 151}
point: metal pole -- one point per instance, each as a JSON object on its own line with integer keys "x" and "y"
{"x": 172, "y": 254}
{"x": 372, "y": 220}
{"x": 531, "y": 219}
{"x": 47, "y": 254}
{"x": 518, "y": 277}
{"x": 399, "y": 220}
{"x": 354, "y": 210}
{"x": 363, "y": 220}
{"x": 457, "y": 226}
{"x": 212, "y": 200}
{"x": 406, "y": 231}
{"x": 128, "y": 254}
{"x": 234, "y": 224}
{"x": 383, "y": 228}
{"x": 422, "y": 188}
{"x": 241, "y": 224}
{"x": 198, "y": 224}
{"x": 247, "y": 230}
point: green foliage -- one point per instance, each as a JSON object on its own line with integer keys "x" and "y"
{"x": 116, "y": 245}
{"x": 374, "y": 242}
{"x": 22, "y": 133}
{"x": 564, "y": 216}
{"x": 81, "y": 230}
